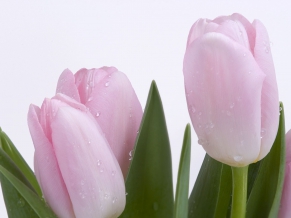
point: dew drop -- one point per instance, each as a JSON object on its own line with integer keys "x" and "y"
{"x": 107, "y": 84}
{"x": 155, "y": 206}
{"x": 99, "y": 162}
{"x": 130, "y": 155}
{"x": 82, "y": 182}
{"x": 250, "y": 72}
{"x": 231, "y": 105}
{"x": 240, "y": 33}
{"x": 263, "y": 132}
{"x": 113, "y": 173}
{"x": 20, "y": 202}
{"x": 237, "y": 158}
{"x": 98, "y": 114}
{"x": 130, "y": 115}
{"x": 244, "y": 54}
{"x": 89, "y": 142}
{"x": 193, "y": 109}
{"x": 106, "y": 196}
{"x": 202, "y": 142}
{"x": 101, "y": 170}
{"x": 280, "y": 108}
{"x": 90, "y": 99}
{"x": 126, "y": 193}
{"x": 114, "y": 200}
{"x": 199, "y": 125}
{"x": 211, "y": 125}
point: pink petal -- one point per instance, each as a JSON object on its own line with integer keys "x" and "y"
{"x": 66, "y": 85}
{"x": 118, "y": 112}
{"x": 285, "y": 211}
{"x": 46, "y": 168}
{"x": 90, "y": 171}
{"x": 199, "y": 28}
{"x": 223, "y": 87}
{"x": 247, "y": 26}
{"x": 270, "y": 97}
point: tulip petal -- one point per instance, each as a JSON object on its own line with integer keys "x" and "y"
{"x": 91, "y": 173}
{"x": 46, "y": 168}
{"x": 285, "y": 211}
{"x": 66, "y": 85}
{"x": 223, "y": 88}
{"x": 241, "y": 20}
{"x": 199, "y": 28}
{"x": 117, "y": 110}
{"x": 270, "y": 97}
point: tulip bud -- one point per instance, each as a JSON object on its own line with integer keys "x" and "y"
{"x": 74, "y": 165}
{"x": 112, "y": 101}
{"x": 231, "y": 89}
{"x": 285, "y": 210}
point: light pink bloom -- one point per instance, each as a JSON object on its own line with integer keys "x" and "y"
{"x": 111, "y": 99}
{"x": 231, "y": 89}
{"x": 285, "y": 209}
{"x": 74, "y": 165}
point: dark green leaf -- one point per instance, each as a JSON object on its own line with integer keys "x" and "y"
{"x": 14, "y": 154}
{"x": 264, "y": 200}
{"x": 182, "y": 190}
{"x": 11, "y": 196}
{"x": 211, "y": 193}
{"x": 31, "y": 197}
{"x": 149, "y": 183}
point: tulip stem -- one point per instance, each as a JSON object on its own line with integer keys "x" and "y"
{"x": 239, "y": 191}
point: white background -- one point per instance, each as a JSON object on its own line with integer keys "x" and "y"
{"x": 144, "y": 39}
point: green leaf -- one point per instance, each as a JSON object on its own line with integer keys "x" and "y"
{"x": 182, "y": 190}
{"x": 264, "y": 200}
{"x": 149, "y": 182}
{"x": 211, "y": 193}
{"x": 8, "y": 146}
{"x": 31, "y": 197}
{"x": 16, "y": 206}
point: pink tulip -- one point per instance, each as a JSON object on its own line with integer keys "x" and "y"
{"x": 111, "y": 99}
{"x": 74, "y": 165}
{"x": 231, "y": 89}
{"x": 285, "y": 209}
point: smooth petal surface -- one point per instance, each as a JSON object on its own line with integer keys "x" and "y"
{"x": 223, "y": 86}
{"x": 66, "y": 85}
{"x": 91, "y": 173}
{"x": 111, "y": 99}
{"x": 46, "y": 168}
{"x": 285, "y": 210}
{"x": 270, "y": 96}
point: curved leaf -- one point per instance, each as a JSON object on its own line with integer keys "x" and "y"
{"x": 182, "y": 190}
{"x": 149, "y": 183}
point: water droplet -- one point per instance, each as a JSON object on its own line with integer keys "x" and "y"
{"x": 98, "y": 114}
{"x": 155, "y": 206}
{"x": 263, "y": 132}
{"x": 266, "y": 49}
{"x": 199, "y": 125}
{"x": 106, "y": 196}
{"x": 99, "y": 162}
{"x": 101, "y": 170}
{"x": 249, "y": 72}
{"x": 101, "y": 207}
{"x": 126, "y": 193}
{"x": 90, "y": 99}
{"x": 237, "y": 158}
{"x": 89, "y": 142}
{"x": 193, "y": 109}
{"x": 130, "y": 155}
{"x": 114, "y": 200}
{"x": 20, "y": 202}
{"x": 240, "y": 33}
{"x": 280, "y": 108}
{"x": 113, "y": 173}
{"x": 244, "y": 54}
{"x": 231, "y": 105}
{"x": 91, "y": 84}
{"x": 82, "y": 195}
{"x": 211, "y": 125}
{"x": 130, "y": 115}
{"x": 228, "y": 113}
{"x": 107, "y": 84}
{"x": 137, "y": 132}
{"x": 238, "y": 98}
{"x": 202, "y": 141}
